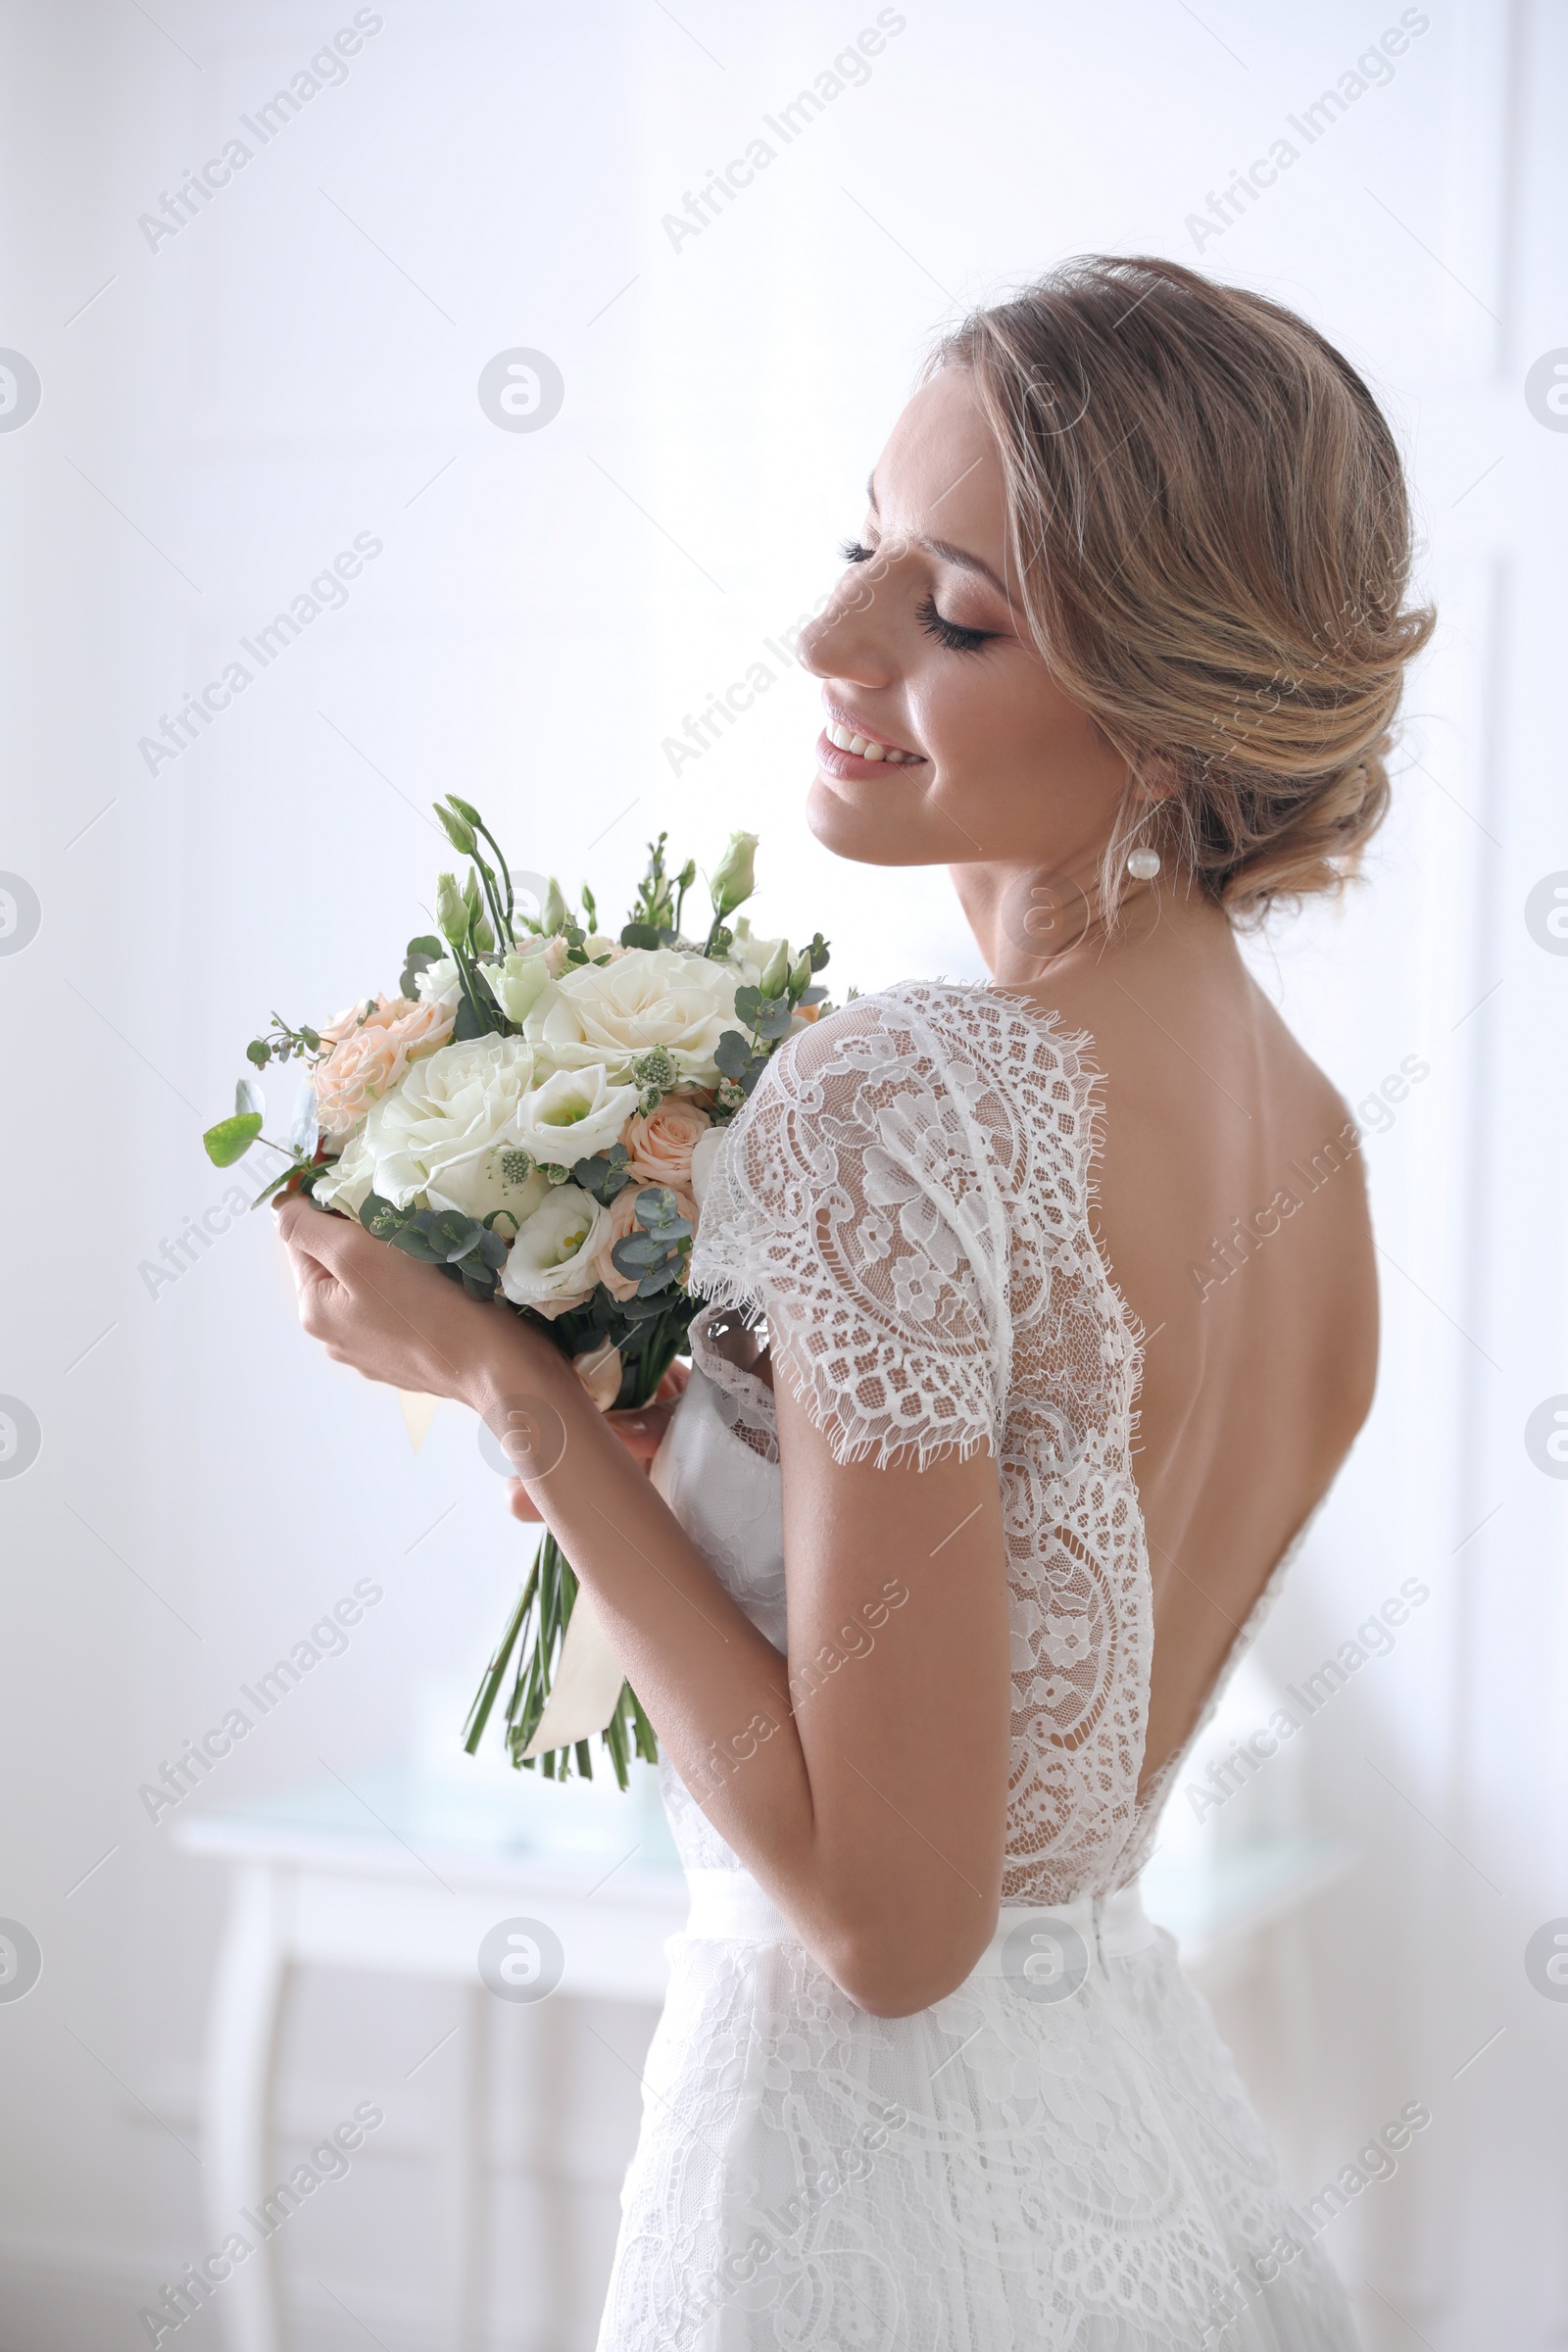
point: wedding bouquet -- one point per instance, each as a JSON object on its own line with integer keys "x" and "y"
{"x": 534, "y": 1114}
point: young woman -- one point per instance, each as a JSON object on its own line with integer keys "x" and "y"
{"x": 923, "y": 1631}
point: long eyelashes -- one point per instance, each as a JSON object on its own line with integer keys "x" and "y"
{"x": 947, "y": 632}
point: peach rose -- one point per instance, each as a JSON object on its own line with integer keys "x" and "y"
{"x": 371, "y": 1053}
{"x": 622, "y": 1224}
{"x": 661, "y": 1145}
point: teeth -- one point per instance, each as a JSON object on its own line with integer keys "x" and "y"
{"x": 862, "y": 747}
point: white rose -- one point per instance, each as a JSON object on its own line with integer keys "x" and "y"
{"x": 572, "y": 1115}
{"x": 524, "y": 974}
{"x": 550, "y": 1264}
{"x": 349, "y": 1179}
{"x": 447, "y": 1134}
{"x": 610, "y": 1014}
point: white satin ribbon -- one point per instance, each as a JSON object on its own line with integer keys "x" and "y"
{"x": 588, "y": 1672}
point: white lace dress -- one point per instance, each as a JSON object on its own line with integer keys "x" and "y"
{"x": 1058, "y": 2155}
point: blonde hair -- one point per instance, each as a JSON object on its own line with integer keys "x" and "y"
{"x": 1210, "y": 530}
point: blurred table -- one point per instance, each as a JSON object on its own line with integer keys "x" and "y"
{"x": 408, "y": 1872}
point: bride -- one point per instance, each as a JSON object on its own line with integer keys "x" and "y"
{"x": 1041, "y": 1316}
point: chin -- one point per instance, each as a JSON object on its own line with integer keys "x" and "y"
{"x": 873, "y": 828}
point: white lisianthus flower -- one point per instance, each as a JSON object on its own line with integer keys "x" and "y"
{"x": 439, "y": 984}
{"x": 524, "y": 974}
{"x": 751, "y": 954}
{"x": 572, "y": 1115}
{"x": 446, "y": 1138}
{"x": 550, "y": 1265}
{"x": 610, "y": 1014}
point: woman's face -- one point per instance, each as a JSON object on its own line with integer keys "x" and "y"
{"x": 923, "y": 652}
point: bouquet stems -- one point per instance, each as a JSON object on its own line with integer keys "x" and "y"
{"x": 537, "y": 1628}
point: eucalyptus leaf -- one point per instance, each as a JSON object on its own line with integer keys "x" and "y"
{"x": 604, "y": 1175}
{"x": 453, "y": 1234}
{"x": 409, "y": 1239}
{"x": 379, "y": 1218}
{"x": 636, "y": 1254}
{"x": 655, "y": 1202}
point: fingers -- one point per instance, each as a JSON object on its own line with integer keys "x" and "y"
{"x": 674, "y": 1384}
{"x": 520, "y": 1503}
{"x": 314, "y": 1231}
{"x": 316, "y": 1294}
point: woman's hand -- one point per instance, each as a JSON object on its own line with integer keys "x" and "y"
{"x": 641, "y": 1431}
{"x": 393, "y": 1319}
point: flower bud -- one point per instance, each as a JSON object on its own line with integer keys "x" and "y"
{"x": 451, "y": 911}
{"x": 801, "y": 974}
{"x": 553, "y": 913}
{"x": 776, "y": 971}
{"x": 456, "y": 829}
{"x": 734, "y": 879}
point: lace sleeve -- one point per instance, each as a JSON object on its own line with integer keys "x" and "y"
{"x": 853, "y": 1205}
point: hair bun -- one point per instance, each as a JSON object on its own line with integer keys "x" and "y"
{"x": 1210, "y": 516}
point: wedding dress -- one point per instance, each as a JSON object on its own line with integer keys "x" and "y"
{"x": 1059, "y": 2156}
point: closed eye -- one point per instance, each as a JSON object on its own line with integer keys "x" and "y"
{"x": 956, "y": 639}
{"x": 951, "y": 633}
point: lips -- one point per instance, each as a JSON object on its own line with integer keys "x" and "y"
{"x": 847, "y": 744}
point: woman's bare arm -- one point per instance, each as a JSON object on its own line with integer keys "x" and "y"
{"x": 863, "y": 1779}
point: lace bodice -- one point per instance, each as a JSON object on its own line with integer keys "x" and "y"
{"x": 1061, "y": 2158}
{"x": 905, "y": 1200}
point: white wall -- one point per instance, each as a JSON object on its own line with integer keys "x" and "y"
{"x": 222, "y": 415}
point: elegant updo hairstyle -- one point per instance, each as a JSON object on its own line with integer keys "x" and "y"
{"x": 1211, "y": 537}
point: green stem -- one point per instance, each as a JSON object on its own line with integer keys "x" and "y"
{"x": 485, "y": 1696}
{"x": 506, "y": 876}
{"x": 503, "y": 929}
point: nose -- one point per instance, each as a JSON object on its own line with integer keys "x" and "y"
{"x": 852, "y": 639}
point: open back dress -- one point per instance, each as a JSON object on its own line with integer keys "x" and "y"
{"x": 1059, "y": 2156}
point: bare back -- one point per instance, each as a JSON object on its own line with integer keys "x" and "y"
{"x": 1232, "y": 1214}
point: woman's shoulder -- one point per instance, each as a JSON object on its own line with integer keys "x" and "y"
{"x": 993, "y": 1099}
{"x": 959, "y": 1038}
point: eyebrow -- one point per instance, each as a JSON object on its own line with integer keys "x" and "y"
{"x": 946, "y": 551}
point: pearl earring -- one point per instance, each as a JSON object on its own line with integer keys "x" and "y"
{"x": 1144, "y": 865}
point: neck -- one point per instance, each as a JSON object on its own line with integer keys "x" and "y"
{"x": 1030, "y": 920}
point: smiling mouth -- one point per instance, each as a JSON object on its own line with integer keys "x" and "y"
{"x": 844, "y": 736}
